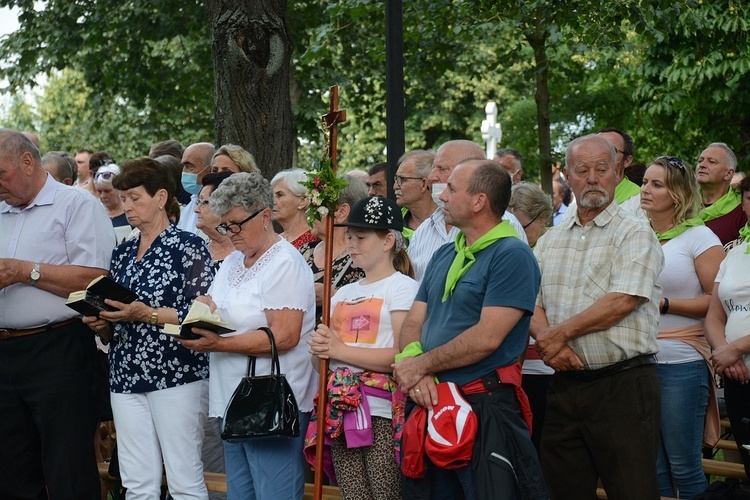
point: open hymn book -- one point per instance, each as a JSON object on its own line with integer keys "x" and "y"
{"x": 90, "y": 301}
{"x": 199, "y": 316}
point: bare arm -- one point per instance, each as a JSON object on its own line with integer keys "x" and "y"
{"x": 706, "y": 266}
{"x": 602, "y": 314}
{"x": 58, "y": 279}
{"x": 411, "y": 327}
{"x": 469, "y": 347}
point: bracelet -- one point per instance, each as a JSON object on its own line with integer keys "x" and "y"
{"x": 665, "y": 307}
{"x": 154, "y": 316}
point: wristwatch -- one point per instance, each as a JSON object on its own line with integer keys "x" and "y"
{"x": 35, "y": 273}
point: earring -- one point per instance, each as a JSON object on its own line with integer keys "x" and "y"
{"x": 161, "y": 208}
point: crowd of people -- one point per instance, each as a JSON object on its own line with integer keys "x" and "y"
{"x": 486, "y": 339}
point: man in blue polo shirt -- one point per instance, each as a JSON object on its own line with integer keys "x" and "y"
{"x": 471, "y": 317}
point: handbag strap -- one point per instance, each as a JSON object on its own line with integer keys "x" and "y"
{"x": 275, "y": 365}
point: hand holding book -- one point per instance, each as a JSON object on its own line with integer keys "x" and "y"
{"x": 199, "y": 316}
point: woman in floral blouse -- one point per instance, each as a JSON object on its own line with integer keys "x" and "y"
{"x": 159, "y": 389}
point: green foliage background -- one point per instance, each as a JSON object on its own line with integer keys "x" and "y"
{"x": 126, "y": 74}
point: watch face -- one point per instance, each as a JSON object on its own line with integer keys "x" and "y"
{"x": 35, "y": 275}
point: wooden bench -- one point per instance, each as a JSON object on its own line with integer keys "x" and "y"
{"x": 218, "y": 483}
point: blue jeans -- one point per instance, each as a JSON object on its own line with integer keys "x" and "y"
{"x": 266, "y": 468}
{"x": 684, "y": 399}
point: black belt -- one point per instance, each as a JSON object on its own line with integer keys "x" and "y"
{"x": 9, "y": 333}
{"x": 607, "y": 371}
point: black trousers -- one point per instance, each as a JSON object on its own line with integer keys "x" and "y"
{"x": 48, "y": 415}
{"x": 737, "y": 397}
{"x": 606, "y": 428}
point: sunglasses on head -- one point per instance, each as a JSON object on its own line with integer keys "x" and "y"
{"x": 673, "y": 162}
{"x": 104, "y": 176}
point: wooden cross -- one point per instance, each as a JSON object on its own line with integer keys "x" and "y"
{"x": 330, "y": 131}
{"x": 330, "y": 126}
{"x": 492, "y": 133}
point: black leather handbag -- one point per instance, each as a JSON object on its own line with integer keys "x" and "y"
{"x": 261, "y": 405}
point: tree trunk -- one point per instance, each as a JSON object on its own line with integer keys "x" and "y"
{"x": 538, "y": 40}
{"x": 252, "y": 50}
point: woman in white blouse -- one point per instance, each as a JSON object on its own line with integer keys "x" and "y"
{"x": 264, "y": 283}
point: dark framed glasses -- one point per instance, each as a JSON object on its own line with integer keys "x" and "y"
{"x": 234, "y": 227}
{"x": 400, "y": 179}
{"x": 531, "y": 221}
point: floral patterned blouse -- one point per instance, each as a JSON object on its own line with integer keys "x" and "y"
{"x": 172, "y": 273}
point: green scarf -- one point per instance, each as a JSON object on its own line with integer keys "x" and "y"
{"x": 722, "y": 206}
{"x": 625, "y": 190}
{"x": 679, "y": 229}
{"x": 745, "y": 233}
{"x": 464, "y": 253}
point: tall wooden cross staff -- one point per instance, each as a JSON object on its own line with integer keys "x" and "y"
{"x": 330, "y": 124}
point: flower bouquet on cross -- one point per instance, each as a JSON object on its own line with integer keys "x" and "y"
{"x": 323, "y": 186}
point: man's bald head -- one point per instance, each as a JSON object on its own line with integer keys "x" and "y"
{"x": 451, "y": 154}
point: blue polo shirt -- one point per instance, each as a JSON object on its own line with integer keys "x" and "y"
{"x": 505, "y": 274}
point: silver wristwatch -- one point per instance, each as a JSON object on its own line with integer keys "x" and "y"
{"x": 35, "y": 273}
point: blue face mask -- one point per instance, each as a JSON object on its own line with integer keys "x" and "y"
{"x": 190, "y": 183}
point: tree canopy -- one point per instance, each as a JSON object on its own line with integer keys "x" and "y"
{"x": 124, "y": 75}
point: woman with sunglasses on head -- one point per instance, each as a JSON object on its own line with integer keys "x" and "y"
{"x": 158, "y": 388}
{"x": 110, "y": 198}
{"x": 264, "y": 283}
{"x": 362, "y": 343}
{"x": 692, "y": 255}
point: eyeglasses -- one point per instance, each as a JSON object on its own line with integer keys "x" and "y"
{"x": 618, "y": 150}
{"x": 673, "y": 162}
{"x": 104, "y": 176}
{"x": 223, "y": 229}
{"x": 400, "y": 179}
{"x": 531, "y": 221}
{"x": 201, "y": 203}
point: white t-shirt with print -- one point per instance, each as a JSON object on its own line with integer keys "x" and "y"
{"x": 361, "y": 315}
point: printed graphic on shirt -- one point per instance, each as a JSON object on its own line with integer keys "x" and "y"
{"x": 357, "y": 321}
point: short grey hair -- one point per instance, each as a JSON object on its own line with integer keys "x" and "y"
{"x": 13, "y": 144}
{"x": 250, "y": 191}
{"x": 591, "y": 137}
{"x": 292, "y": 179}
{"x": 422, "y": 159}
{"x": 106, "y": 168}
{"x": 531, "y": 200}
{"x": 64, "y": 164}
{"x": 353, "y": 192}
{"x": 730, "y": 154}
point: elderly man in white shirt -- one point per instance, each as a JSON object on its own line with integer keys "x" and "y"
{"x": 435, "y": 232}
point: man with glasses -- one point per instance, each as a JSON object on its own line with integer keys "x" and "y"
{"x": 376, "y": 183}
{"x": 196, "y": 162}
{"x": 436, "y": 231}
{"x": 722, "y": 211}
{"x": 412, "y": 189}
{"x": 512, "y": 161}
{"x": 595, "y": 323}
